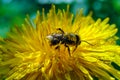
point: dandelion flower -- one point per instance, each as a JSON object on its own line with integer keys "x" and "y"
{"x": 26, "y": 54}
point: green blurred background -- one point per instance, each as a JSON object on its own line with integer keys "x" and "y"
{"x": 13, "y": 12}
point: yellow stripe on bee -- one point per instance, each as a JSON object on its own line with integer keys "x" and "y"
{"x": 71, "y": 37}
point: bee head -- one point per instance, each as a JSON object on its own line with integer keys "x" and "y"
{"x": 50, "y": 37}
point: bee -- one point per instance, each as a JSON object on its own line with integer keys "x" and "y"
{"x": 66, "y": 39}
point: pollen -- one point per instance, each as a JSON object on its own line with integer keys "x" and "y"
{"x": 26, "y": 53}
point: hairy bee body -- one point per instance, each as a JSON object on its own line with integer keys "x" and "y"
{"x": 64, "y": 38}
{"x": 72, "y": 39}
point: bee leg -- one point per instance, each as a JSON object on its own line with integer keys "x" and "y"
{"x": 60, "y": 30}
{"x": 68, "y": 49}
{"x": 57, "y": 47}
{"x": 75, "y": 48}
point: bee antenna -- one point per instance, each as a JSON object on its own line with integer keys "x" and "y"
{"x": 87, "y": 42}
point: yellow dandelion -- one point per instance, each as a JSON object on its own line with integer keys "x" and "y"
{"x": 26, "y": 54}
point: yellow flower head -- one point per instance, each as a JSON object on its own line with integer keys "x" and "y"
{"x": 84, "y": 51}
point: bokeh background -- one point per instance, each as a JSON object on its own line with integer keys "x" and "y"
{"x": 13, "y": 12}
